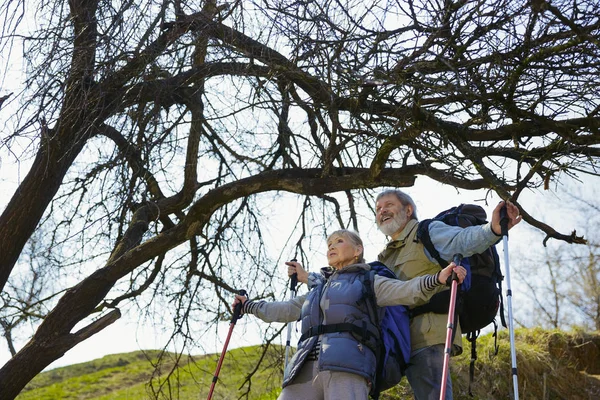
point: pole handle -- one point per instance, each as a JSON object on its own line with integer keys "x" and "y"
{"x": 504, "y": 221}
{"x": 457, "y": 259}
{"x": 293, "y": 278}
{"x": 237, "y": 311}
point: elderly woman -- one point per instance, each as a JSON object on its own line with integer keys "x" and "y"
{"x": 336, "y": 365}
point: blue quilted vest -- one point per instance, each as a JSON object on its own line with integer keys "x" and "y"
{"x": 332, "y": 310}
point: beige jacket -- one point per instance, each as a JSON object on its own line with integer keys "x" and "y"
{"x": 407, "y": 259}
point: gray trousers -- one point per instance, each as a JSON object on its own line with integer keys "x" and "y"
{"x": 310, "y": 384}
{"x": 424, "y": 373}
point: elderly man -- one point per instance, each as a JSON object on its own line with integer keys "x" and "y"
{"x": 408, "y": 258}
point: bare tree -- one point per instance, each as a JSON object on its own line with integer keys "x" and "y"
{"x": 582, "y": 272}
{"x": 546, "y": 297}
{"x": 564, "y": 288}
{"x": 160, "y": 129}
{"x": 564, "y": 282}
{"x": 585, "y": 288}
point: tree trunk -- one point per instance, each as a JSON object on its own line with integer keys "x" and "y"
{"x": 40, "y": 352}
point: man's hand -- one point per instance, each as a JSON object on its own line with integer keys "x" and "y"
{"x": 512, "y": 213}
{"x": 294, "y": 267}
{"x": 445, "y": 274}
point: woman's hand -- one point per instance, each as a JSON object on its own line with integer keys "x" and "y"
{"x": 446, "y": 273}
{"x": 238, "y": 299}
{"x": 294, "y": 267}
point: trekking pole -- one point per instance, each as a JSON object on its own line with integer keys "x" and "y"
{"x": 511, "y": 330}
{"x": 293, "y": 283}
{"x": 236, "y": 315}
{"x": 448, "y": 349}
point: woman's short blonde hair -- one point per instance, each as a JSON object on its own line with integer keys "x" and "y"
{"x": 353, "y": 238}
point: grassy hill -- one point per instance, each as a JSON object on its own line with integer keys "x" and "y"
{"x": 551, "y": 365}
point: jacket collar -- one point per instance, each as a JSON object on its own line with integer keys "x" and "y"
{"x": 328, "y": 271}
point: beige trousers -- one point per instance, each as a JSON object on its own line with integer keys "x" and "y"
{"x": 311, "y": 384}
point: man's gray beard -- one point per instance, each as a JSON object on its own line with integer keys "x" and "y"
{"x": 392, "y": 227}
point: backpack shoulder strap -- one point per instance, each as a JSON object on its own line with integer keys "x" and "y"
{"x": 499, "y": 278}
{"x": 423, "y": 236}
{"x": 369, "y": 287}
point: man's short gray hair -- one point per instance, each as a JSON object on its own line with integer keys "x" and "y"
{"x": 404, "y": 199}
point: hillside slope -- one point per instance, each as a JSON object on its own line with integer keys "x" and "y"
{"x": 551, "y": 365}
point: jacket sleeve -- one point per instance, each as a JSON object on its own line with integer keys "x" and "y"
{"x": 449, "y": 240}
{"x": 275, "y": 311}
{"x": 414, "y": 292}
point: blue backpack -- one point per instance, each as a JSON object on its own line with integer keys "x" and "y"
{"x": 393, "y": 352}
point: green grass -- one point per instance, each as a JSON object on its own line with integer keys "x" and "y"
{"x": 543, "y": 370}
{"x": 551, "y": 365}
{"x": 133, "y": 376}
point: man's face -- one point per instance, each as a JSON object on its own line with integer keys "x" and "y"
{"x": 391, "y": 215}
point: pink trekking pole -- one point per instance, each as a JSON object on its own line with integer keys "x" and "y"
{"x": 449, "y": 334}
{"x": 236, "y": 315}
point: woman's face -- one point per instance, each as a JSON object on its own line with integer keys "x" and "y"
{"x": 341, "y": 251}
